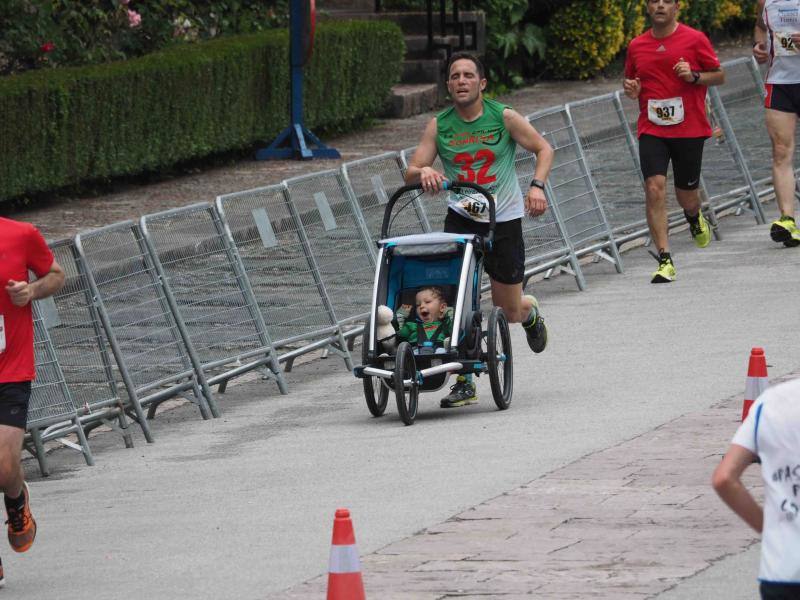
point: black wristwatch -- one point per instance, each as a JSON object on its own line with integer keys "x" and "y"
{"x": 696, "y": 76}
{"x": 537, "y": 183}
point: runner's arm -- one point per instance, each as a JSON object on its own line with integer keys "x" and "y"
{"x": 760, "y": 36}
{"x": 526, "y": 136}
{"x": 712, "y": 77}
{"x": 22, "y": 292}
{"x": 727, "y": 482}
{"x": 419, "y": 168}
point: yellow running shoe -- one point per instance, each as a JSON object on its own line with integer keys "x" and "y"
{"x": 701, "y": 232}
{"x": 665, "y": 272}
{"x": 785, "y": 231}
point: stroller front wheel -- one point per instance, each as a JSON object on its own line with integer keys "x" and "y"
{"x": 376, "y": 393}
{"x": 407, "y": 395}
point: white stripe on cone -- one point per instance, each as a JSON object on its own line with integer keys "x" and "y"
{"x": 755, "y": 387}
{"x": 344, "y": 559}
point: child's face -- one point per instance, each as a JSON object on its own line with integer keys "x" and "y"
{"x": 429, "y": 306}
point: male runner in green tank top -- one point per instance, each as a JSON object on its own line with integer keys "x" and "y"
{"x": 476, "y": 139}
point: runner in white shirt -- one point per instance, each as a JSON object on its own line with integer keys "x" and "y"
{"x": 777, "y": 42}
{"x": 771, "y": 433}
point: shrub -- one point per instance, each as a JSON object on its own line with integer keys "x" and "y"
{"x": 633, "y": 13}
{"x": 64, "y": 126}
{"x": 47, "y": 33}
{"x": 512, "y": 43}
{"x": 584, "y": 37}
{"x": 714, "y": 15}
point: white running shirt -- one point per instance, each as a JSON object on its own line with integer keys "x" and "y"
{"x": 772, "y": 431}
{"x": 782, "y": 18}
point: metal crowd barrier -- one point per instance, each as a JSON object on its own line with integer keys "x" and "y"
{"x": 275, "y": 253}
{"x": 572, "y": 189}
{"x": 339, "y": 241}
{"x": 740, "y": 104}
{"x": 547, "y": 245}
{"x": 84, "y": 354}
{"x": 373, "y": 181}
{"x": 190, "y": 298}
{"x": 51, "y": 411}
{"x": 140, "y": 317}
{"x": 212, "y": 293}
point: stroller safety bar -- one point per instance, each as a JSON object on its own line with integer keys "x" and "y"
{"x": 375, "y": 372}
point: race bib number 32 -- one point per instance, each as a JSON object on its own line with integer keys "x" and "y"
{"x": 2, "y": 334}
{"x": 665, "y": 112}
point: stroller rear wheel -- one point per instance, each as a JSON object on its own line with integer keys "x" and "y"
{"x": 407, "y": 396}
{"x": 499, "y": 359}
{"x": 376, "y": 393}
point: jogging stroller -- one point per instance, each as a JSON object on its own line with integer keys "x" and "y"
{"x": 453, "y": 263}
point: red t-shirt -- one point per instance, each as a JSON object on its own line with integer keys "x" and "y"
{"x": 22, "y": 248}
{"x": 652, "y": 60}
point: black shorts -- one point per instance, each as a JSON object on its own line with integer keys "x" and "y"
{"x": 779, "y": 591}
{"x": 14, "y": 398}
{"x": 506, "y": 262}
{"x": 686, "y": 155}
{"x": 784, "y": 97}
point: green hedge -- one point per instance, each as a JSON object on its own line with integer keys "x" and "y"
{"x": 65, "y": 126}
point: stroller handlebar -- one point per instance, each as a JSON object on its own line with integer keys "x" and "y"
{"x": 447, "y": 185}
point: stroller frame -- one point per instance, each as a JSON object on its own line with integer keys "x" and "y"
{"x": 451, "y": 261}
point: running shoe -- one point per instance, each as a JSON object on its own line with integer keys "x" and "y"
{"x": 701, "y": 232}
{"x": 785, "y": 230}
{"x": 21, "y": 525}
{"x": 665, "y": 272}
{"x": 536, "y": 331}
{"x": 461, "y": 394}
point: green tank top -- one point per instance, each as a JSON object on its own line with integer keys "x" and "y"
{"x": 482, "y": 152}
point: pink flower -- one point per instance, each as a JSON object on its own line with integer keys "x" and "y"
{"x": 124, "y": 2}
{"x": 47, "y": 47}
{"x": 134, "y": 18}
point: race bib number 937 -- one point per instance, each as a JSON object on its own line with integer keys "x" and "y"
{"x": 665, "y": 112}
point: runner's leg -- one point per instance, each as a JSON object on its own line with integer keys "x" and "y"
{"x": 655, "y": 191}
{"x": 516, "y": 307}
{"x": 781, "y": 128}
{"x": 11, "y": 475}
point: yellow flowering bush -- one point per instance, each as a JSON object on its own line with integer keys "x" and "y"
{"x": 584, "y": 37}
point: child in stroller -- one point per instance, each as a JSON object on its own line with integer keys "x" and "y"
{"x": 435, "y": 323}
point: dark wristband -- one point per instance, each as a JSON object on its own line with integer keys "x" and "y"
{"x": 538, "y": 183}
{"x": 696, "y": 75}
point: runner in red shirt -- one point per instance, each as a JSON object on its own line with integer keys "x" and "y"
{"x": 668, "y": 69}
{"x": 22, "y": 249}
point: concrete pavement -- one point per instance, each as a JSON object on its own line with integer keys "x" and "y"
{"x": 594, "y": 483}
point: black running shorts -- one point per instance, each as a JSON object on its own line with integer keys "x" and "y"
{"x": 686, "y": 155}
{"x": 784, "y": 97}
{"x": 14, "y": 398}
{"x": 506, "y": 262}
{"x": 779, "y": 591}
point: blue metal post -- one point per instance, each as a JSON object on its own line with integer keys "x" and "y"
{"x": 293, "y": 142}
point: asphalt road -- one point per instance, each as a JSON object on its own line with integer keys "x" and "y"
{"x": 242, "y": 506}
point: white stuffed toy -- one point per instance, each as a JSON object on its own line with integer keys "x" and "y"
{"x": 384, "y": 331}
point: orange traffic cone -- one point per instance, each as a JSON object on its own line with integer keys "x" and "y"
{"x": 344, "y": 571}
{"x": 757, "y": 380}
